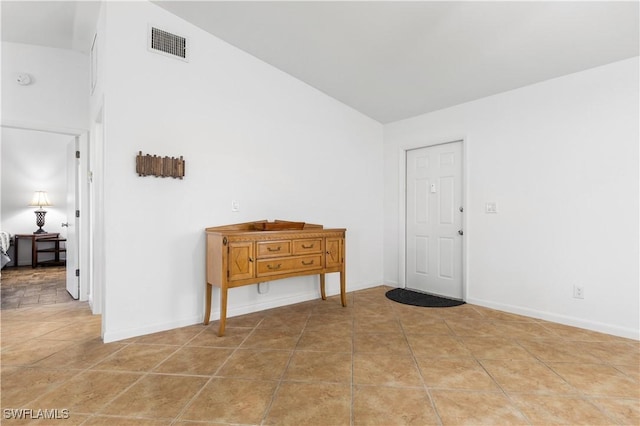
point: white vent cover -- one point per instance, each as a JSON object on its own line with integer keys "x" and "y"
{"x": 167, "y": 44}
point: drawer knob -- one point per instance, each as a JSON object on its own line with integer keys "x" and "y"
{"x": 307, "y": 263}
{"x": 307, "y": 247}
{"x": 251, "y": 259}
{"x": 272, "y": 267}
{"x": 273, "y": 249}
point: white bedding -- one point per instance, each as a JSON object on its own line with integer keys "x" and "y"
{"x": 5, "y": 240}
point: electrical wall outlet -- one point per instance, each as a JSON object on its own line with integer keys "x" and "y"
{"x": 263, "y": 288}
{"x": 578, "y": 292}
{"x": 491, "y": 207}
{"x": 235, "y": 206}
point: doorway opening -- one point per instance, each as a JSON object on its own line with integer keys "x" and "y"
{"x": 45, "y": 267}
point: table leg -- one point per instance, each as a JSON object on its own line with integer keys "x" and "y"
{"x": 15, "y": 250}
{"x": 207, "y": 309}
{"x": 343, "y": 287}
{"x": 34, "y": 252}
{"x": 223, "y": 310}
{"x": 322, "y": 292}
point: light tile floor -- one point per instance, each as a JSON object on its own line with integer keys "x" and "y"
{"x": 375, "y": 362}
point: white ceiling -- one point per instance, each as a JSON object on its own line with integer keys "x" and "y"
{"x": 61, "y": 24}
{"x": 390, "y": 60}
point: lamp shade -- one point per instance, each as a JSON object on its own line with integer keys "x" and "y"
{"x": 40, "y": 199}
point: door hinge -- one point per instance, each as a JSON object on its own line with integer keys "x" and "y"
{"x": 77, "y": 272}
{"x": 77, "y": 213}
{"x": 77, "y": 154}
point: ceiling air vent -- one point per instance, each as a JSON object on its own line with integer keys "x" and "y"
{"x": 167, "y": 44}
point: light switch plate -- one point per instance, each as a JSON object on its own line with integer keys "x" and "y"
{"x": 491, "y": 207}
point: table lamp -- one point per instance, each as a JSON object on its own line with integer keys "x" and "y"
{"x": 40, "y": 199}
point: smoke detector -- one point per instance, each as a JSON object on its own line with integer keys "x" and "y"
{"x": 23, "y": 79}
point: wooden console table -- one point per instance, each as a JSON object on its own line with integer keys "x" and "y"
{"x": 254, "y": 252}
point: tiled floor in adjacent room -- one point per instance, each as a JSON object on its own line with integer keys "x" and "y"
{"x": 375, "y": 362}
{"x": 25, "y": 286}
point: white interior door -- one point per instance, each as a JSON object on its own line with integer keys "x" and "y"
{"x": 434, "y": 220}
{"x": 73, "y": 243}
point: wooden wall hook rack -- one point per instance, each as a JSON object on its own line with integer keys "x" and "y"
{"x": 154, "y": 165}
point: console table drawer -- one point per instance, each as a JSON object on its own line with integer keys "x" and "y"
{"x": 286, "y": 265}
{"x": 307, "y": 246}
{"x": 274, "y": 248}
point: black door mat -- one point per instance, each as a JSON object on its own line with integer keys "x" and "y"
{"x": 410, "y": 297}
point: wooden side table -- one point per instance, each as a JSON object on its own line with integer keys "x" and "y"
{"x": 54, "y": 247}
{"x": 34, "y": 246}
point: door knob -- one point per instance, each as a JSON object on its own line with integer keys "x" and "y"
{"x": 65, "y": 224}
{"x": 460, "y": 232}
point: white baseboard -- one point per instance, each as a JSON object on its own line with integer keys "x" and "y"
{"x": 615, "y": 330}
{"x": 285, "y": 301}
{"x": 231, "y": 312}
{"x": 149, "y": 329}
{"x": 263, "y": 306}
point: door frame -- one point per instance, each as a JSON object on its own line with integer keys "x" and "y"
{"x": 83, "y": 229}
{"x": 95, "y": 199}
{"x": 74, "y": 234}
{"x": 402, "y": 207}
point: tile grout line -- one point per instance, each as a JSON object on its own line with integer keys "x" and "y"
{"x": 578, "y": 393}
{"x": 53, "y": 388}
{"x": 424, "y": 384}
{"x": 214, "y": 375}
{"x": 583, "y": 396}
{"x": 267, "y": 409}
{"x": 504, "y": 392}
{"x": 144, "y": 374}
{"x": 352, "y": 411}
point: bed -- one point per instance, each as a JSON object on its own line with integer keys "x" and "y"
{"x": 5, "y": 241}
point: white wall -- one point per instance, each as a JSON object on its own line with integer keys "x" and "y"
{"x": 247, "y": 132}
{"x": 560, "y": 158}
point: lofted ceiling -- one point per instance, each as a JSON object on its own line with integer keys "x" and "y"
{"x": 389, "y": 60}
{"x": 60, "y": 24}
